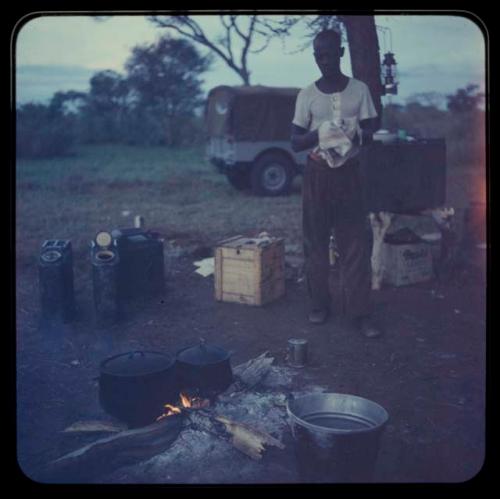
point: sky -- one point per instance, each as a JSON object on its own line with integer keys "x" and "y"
{"x": 435, "y": 53}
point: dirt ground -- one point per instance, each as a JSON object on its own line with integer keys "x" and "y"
{"x": 428, "y": 370}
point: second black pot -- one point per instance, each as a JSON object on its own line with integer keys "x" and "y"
{"x": 204, "y": 369}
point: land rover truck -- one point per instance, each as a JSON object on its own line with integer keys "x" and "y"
{"x": 249, "y": 141}
{"x": 248, "y": 137}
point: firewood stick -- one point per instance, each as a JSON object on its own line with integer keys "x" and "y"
{"x": 251, "y": 373}
{"x": 247, "y": 439}
{"x": 130, "y": 446}
{"x": 107, "y": 454}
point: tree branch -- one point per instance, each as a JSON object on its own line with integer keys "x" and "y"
{"x": 227, "y": 27}
{"x": 223, "y": 46}
{"x": 197, "y": 34}
{"x": 246, "y": 47}
{"x": 237, "y": 29}
{"x": 261, "y": 49}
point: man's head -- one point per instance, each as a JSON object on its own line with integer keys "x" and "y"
{"x": 327, "y": 51}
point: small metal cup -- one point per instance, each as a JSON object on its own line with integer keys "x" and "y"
{"x": 139, "y": 222}
{"x": 297, "y": 352}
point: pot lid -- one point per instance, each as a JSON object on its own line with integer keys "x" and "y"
{"x": 202, "y": 354}
{"x": 137, "y": 363}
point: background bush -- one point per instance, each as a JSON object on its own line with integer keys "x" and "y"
{"x": 40, "y": 133}
{"x": 157, "y": 102}
{"x": 462, "y": 124}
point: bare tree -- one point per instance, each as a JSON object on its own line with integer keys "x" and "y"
{"x": 250, "y": 34}
{"x": 240, "y": 36}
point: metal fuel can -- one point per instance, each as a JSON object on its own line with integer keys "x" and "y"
{"x": 105, "y": 280}
{"x": 55, "y": 272}
{"x": 141, "y": 268}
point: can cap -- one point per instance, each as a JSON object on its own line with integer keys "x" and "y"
{"x": 103, "y": 239}
{"x": 51, "y": 256}
{"x": 297, "y": 341}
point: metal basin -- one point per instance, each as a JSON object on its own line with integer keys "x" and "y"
{"x": 336, "y": 436}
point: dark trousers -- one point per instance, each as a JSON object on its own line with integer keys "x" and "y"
{"x": 331, "y": 198}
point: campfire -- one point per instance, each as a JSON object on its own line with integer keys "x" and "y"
{"x": 207, "y": 419}
{"x": 185, "y": 402}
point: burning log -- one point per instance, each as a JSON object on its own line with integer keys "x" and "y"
{"x": 106, "y": 454}
{"x": 186, "y": 403}
{"x": 131, "y": 446}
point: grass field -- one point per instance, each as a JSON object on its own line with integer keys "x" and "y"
{"x": 176, "y": 190}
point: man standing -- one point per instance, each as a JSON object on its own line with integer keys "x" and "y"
{"x": 333, "y": 117}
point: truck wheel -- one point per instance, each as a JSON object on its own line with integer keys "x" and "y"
{"x": 272, "y": 174}
{"x": 239, "y": 180}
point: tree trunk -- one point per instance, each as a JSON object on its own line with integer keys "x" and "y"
{"x": 244, "y": 75}
{"x": 364, "y": 52}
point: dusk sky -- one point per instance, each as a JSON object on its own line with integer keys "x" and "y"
{"x": 434, "y": 53}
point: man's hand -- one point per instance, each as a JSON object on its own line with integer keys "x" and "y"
{"x": 333, "y": 137}
{"x": 302, "y": 139}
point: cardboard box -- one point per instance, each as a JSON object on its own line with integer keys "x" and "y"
{"x": 407, "y": 263}
{"x": 250, "y": 270}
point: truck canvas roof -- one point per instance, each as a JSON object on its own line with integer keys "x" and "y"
{"x": 250, "y": 112}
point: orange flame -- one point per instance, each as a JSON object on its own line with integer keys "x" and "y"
{"x": 171, "y": 410}
{"x": 186, "y": 402}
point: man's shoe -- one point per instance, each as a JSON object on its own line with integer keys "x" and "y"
{"x": 318, "y": 315}
{"x": 368, "y": 328}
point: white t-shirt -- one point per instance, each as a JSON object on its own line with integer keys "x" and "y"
{"x": 344, "y": 110}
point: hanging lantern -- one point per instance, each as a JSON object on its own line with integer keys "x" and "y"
{"x": 390, "y": 83}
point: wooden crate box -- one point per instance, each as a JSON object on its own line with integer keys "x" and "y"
{"x": 250, "y": 270}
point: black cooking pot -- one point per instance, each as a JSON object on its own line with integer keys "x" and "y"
{"x": 205, "y": 369}
{"x": 134, "y": 386}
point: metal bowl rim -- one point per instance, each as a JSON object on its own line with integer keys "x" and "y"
{"x": 324, "y": 429}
